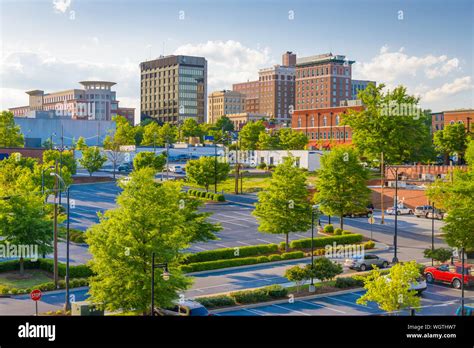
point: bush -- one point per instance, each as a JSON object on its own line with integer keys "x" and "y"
{"x": 262, "y": 166}
{"x": 216, "y": 301}
{"x": 292, "y": 255}
{"x": 275, "y": 291}
{"x": 231, "y": 253}
{"x": 348, "y": 282}
{"x": 282, "y": 246}
{"x": 219, "y": 198}
{"x": 338, "y": 231}
{"x": 346, "y": 232}
{"x": 249, "y": 296}
{"x": 329, "y": 229}
{"x": 274, "y": 257}
{"x": 369, "y": 245}
{"x": 262, "y": 259}
{"x": 323, "y": 241}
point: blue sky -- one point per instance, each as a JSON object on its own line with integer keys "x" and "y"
{"x": 51, "y": 45}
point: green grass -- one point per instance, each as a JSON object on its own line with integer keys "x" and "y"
{"x": 30, "y": 278}
{"x": 249, "y": 184}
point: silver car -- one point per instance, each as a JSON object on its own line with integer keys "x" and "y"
{"x": 362, "y": 263}
{"x": 422, "y": 210}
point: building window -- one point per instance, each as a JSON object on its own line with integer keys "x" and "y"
{"x": 337, "y": 120}
{"x": 325, "y": 122}
{"x": 299, "y": 122}
{"x": 312, "y": 121}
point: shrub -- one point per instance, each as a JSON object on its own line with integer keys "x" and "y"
{"x": 338, "y": 231}
{"x": 323, "y": 241}
{"x": 439, "y": 254}
{"x": 216, "y": 301}
{"x": 219, "y": 198}
{"x": 262, "y": 166}
{"x": 262, "y": 259}
{"x": 282, "y": 246}
{"x": 329, "y": 229}
{"x": 369, "y": 245}
{"x": 274, "y": 257}
{"x": 348, "y": 282}
{"x": 346, "y": 232}
{"x": 231, "y": 253}
{"x": 249, "y": 296}
{"x": 292, "y": 255}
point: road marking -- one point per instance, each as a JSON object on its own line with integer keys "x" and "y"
{"x": 300, "y": 235}
{"x": 243, "y": 243}
{"x": 195, "y": 246}
{"x": 247, "y": 215}
{"x": 221, "y": 245}
{"x": 254, "y": 311}
{"x": 290, "y": 310}
{"x": 323, "y": 306}
{"x": 265, "y": 241}
{"x": 228, "y": 222}
{"x": 348, "y": 302}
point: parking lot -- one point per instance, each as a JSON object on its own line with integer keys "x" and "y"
{"x": 436, "y": 300}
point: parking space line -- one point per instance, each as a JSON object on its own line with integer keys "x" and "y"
{"x": 242, "y": 243}
{"x": 221, "y": 245}
{"x": 323, "y": 306}
{"x": 195, "y": 246}
{"x": 254, "y": 311}
{"x": 290, "y": 310}
{"x": 348, "y": 302}
{"x": 265, "y": 241}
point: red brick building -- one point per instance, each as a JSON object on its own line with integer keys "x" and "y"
{"x": 465, "y": 116}
{"x": 323, "y": 126}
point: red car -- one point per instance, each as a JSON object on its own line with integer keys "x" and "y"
{"x": 450, "y": 274}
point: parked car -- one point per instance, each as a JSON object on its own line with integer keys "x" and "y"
{"x": 422, "y": 210}
{"x": 419, "y": 285}
{"x": 186, "y": 308}
{"x": 125, "y": 167}
{"x": 362, "y": 263}
{"x": 446, "y": 273}
{"x": 401, "y": 209}
{"x": 438, "y": 214}
{"x": 361, "y": 213}
{"x": 468, "y": 310}
{"x": 177, "y": 169}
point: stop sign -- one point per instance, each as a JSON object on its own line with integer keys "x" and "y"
{"x": 36, "y": 295}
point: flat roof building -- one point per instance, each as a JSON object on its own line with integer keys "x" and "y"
{"x": 221, "y": 103}
{"x": 174, "y": 88}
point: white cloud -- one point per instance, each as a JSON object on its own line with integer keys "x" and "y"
{"x": 25, "y": 70}
{"x": 61, "y": 5}
{"x": 228, "y": 61}
{"x": 450, "y": 88}
{"x": 390, "y": 67}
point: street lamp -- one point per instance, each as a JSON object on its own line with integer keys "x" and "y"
{"x": 314, "y": 209}
{"x": 67, "y": 304}
{"x": 165, "y": 275}
{"x": 432, "y": 231}
{"x": 395, "y": 237}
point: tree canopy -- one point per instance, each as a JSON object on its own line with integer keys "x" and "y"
{"x": 203, "y": 171}
{"x": 10, "y": 134}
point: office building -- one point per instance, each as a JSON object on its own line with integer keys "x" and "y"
{"x": 360, "y": 85}
{"x": 221, "y": 103}
{"x": 174, "y": 88}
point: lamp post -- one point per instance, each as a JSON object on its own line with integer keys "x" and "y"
{"x": 395, "y": 236}
{"x": 67, "y": 304}
{"x": 462, "y": 281}
{"x": 313, "y": 210}
{"x": 165, "y": 275}
{"x": 432, "y": 231}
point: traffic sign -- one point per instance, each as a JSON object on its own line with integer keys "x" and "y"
{"x": 371, "y": 220}
{"x": 209, "y": 137}
{"x": 36, "y": 295}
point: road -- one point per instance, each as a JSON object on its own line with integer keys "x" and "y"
{"x": 436, "y": 300}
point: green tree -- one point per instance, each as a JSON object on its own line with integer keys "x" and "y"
{"x": 124, "y": 131}
{"x": 10, "y": 134}
{"x": 390, "y": 123}
{"x": 168, "y": 134}
{"x": 92, "y": 159}
{"x": 342, "y": 183}
{"x": 151, "y": 133}
{"x": 469, "y": 155}
{"x": 284, "y": 207}
{"x": 66, "y": 158}
{"x": 392, "y": 292}
{"x": 439, "y": 254}
{"x": 224, "y": 123}
{"x": 249, "y": 135}
{"x": 190, "y": 128}
{"x": 451, "y": 140}
{"x": 81, "y": 144}
{"x": 147, "y": 159}
{"x": 24, "y": 220}
{"x": 150, "y": 218}
{"x": 298, "y": 275}
{"x": 324, "y": 269}
{"x": 268, "y": 141}
{"x": 203, "y": 171}
{"x": 292, "y": 140}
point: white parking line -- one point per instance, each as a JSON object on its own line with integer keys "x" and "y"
{"x": 199, "y": 248}
{"x": 323, "y": 306}
{"x": 348, "y": 302}
{"x": 243, "y": 243}
{"x": 221, "y": 245}
{"x": 228, "y": 222}
{"x": 254, "y": 311}
{"x": 240, "y": 282}
{"x": 290, "y": 310}
{"x": 265, "y": 241}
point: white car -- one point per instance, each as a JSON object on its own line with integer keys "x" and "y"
{"x": 401, "y": 209}
{"x": 419, "y": 285}
{"x": 177, "y": 169}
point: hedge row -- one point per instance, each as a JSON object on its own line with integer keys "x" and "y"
{"x": 79, "y": 271}
{"x": 230, "y": 253}
{"x": 267, "y": 293}
{"x": 323, "y": 241}
{"x": 208, "y": 195}
{"x": 49, "y": 286}
{"x": 210, "y": 265}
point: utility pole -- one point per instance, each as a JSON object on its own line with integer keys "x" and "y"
{"x": 395, "y": 239}
{"x": 432, "y": 231}
{"x": 55, "y": 226}
{"x": 382, "y": 183}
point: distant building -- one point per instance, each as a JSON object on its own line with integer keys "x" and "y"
{"x": 128, "y": 113}
{"x": 322, "y": 81}
{"x": 307, "y": 159}
{"x": 174, "y": 88}
{"x": 437, "y": 121}
{"x": 221, "y": 103}
{"x": 464, "y": 116}
{"x": 96, "y": 101}
{"x": 241, "y": 119}
{"x": 251, "y": 91}
{"x": 323, "y": 126}
{"x": 360, "y": 85}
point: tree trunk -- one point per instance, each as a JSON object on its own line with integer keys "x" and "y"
{"x": 342, "y": 221}
{"x": 22, "y": 266}
{"x": 114, "y": 168}
{"x": 287, "y": 246}
{"x": 446, "y": 159}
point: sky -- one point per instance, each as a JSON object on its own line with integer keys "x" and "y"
{"x": 425, "y": 45}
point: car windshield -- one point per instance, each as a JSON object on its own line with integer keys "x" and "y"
{"x": 199, "y": 311}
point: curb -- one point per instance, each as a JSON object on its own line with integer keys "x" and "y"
{"x": 269, "y": 303}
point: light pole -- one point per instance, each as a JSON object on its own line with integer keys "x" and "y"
{"x": 462, "y": 281}
{"x": 67, "y": 304}
{"x": 165, "y": 275}
{"x": 432, "y": 231}
{"x": 395, "y": 237}
{"x": 313, "y": 210}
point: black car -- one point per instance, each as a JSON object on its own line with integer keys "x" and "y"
{"x": 362, "y": 213}
{"x": 125, "y": 167}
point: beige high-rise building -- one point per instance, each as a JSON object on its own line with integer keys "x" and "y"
{"x": 225, "y": 102}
